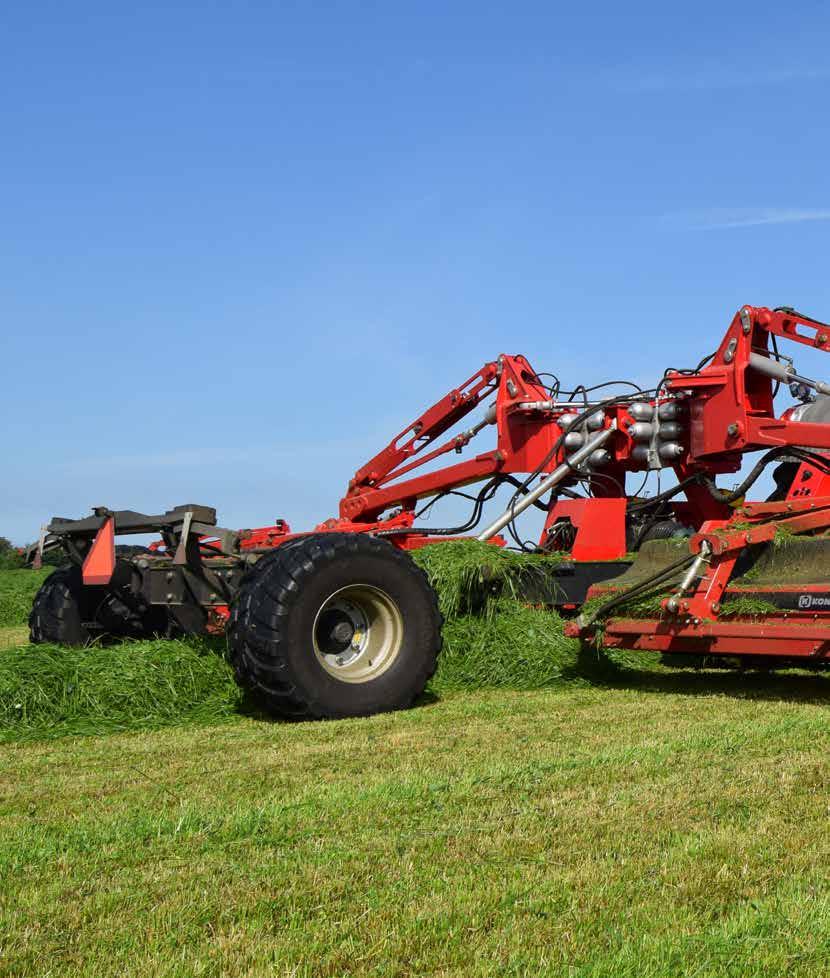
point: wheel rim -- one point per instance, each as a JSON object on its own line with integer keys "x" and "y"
{"x": 358, "y": 633}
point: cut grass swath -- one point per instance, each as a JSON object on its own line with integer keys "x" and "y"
{"x": 472, "y": 577}
{"x": 514, "y": 647}
{"x": 47, "y": 690}
{"x": 490, "y": 637}
{"x": 491, "y": 640}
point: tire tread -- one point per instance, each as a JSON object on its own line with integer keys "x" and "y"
{"x": 264, "y": 602}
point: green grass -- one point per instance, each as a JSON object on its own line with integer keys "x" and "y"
{"x": 514, "y": 647}
{"x": 748, "y": 607}
{"x": 14, "y": 636}
{"x": 50, "y": 691}
{"x": 470, "y": 577}
{"x": 578, "y": 821}
{"x": 491, "y": 640}
{"x": 17, "y": 591}
{"x": 675, "y": 827}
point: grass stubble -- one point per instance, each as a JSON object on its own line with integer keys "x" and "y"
{"x": 637, "y": 824}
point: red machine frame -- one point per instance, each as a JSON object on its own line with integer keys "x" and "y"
{"x": 727, "y": 408}
{"x": 693, "y": 626}
{"x": 730, "y": 413}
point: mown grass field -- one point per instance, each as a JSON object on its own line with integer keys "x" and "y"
{"x": 634, "y": 823}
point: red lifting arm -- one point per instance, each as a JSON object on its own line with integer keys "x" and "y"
{"x": 523, "y": 438}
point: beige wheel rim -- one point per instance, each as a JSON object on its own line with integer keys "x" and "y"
{"x": 358, "y": 633}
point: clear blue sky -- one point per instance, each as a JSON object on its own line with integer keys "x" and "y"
{"x": 242, "y": 244}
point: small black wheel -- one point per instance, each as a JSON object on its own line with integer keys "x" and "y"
{"x": 335, "y": 625}
{"x": 67, "y": 612}
{"x": 56, "y": 611}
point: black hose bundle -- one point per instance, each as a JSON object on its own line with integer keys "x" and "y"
{"x": 486, "y": 493}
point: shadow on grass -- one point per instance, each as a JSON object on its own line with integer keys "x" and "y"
{"x": 792, "y": 685}
{"x": 249, "y": 707}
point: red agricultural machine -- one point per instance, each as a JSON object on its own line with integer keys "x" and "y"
{"x": 340, "y": 621}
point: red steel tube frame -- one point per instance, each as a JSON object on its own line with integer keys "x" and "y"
{"x": 730, "y": 413}
{"x": 730, "y": 409}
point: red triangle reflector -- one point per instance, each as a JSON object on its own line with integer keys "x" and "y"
{"x": 100, "y": 561}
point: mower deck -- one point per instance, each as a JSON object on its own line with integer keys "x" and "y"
{"x": 780, "y": 596}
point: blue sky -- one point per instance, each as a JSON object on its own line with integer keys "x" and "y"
{"x": 243, "y": 244}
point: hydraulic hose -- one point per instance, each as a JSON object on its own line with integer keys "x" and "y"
{"x": 803, "y": 455}
{"x": 486, "y": 493}
{"x": 664, "y": 496}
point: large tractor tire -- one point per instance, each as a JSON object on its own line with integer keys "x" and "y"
{"x": 335, "y": 625}
{"x": 66, "y": 612}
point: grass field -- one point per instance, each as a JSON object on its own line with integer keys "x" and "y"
{"x": 17, "y": 589}
{"x": 644, "y": 824}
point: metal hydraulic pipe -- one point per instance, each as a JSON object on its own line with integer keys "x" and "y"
{"x": 558, "y": 474}
{"x": 777, "y": 370}
{"x": 694, "y": 571}
{"x": 559, "y": 405}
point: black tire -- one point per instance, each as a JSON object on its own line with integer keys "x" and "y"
{"x": 66, "y": 612}
{"x": 274, "y": 632}
{"x": 56, "y": 611}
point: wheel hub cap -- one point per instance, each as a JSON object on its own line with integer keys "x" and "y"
{"x": 358, "y": 633}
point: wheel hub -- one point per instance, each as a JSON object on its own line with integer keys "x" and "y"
{"x": 358, "y": 632}
{"x": 335, "y": 628}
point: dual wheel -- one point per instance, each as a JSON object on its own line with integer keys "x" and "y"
{"x": 327, "y": 625}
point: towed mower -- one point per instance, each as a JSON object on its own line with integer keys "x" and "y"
{"x": 340, "y": 621}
